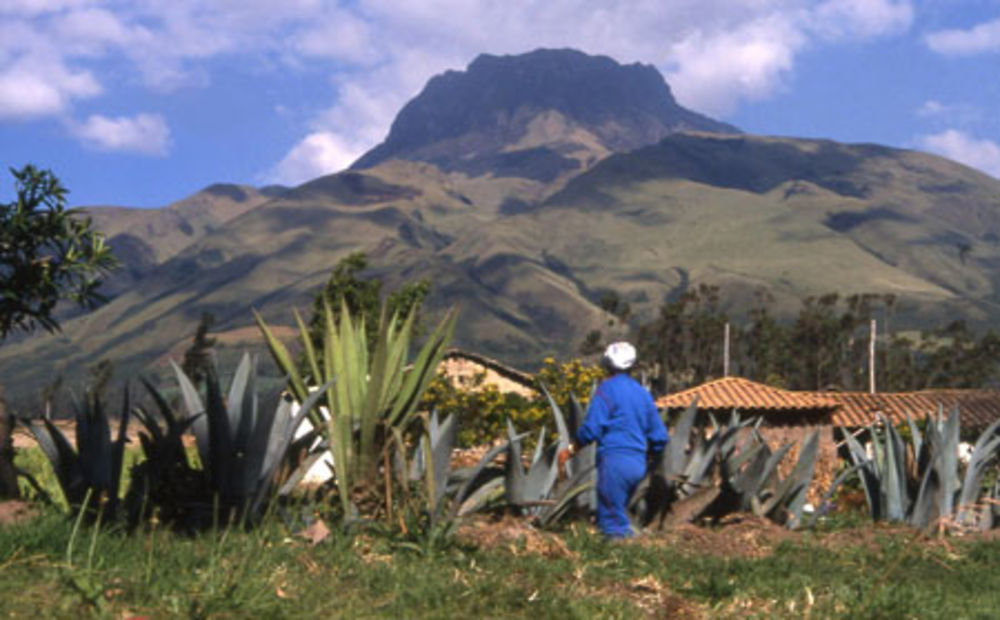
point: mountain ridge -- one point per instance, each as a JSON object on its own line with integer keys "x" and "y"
{"x": 529, "y": 255}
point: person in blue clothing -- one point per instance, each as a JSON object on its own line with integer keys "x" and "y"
{"x": 623, "y": 420}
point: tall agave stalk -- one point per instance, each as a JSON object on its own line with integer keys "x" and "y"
{"x": 925, "y": 485}
{"x": 373, "y": 398}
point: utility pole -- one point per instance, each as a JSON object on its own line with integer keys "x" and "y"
{"x": 725, "y": 352}
{"x": 871, "y": 359}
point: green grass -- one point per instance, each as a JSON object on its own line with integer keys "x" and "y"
{"x": 48, "y": 571}
{"x": 50, "y": 567}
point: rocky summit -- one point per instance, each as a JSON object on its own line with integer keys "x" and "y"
{"x": 538, "y": 115}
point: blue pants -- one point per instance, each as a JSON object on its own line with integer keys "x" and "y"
{"x": 618, "y": 474}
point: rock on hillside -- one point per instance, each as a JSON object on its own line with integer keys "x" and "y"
{"x": 540, "y": 115}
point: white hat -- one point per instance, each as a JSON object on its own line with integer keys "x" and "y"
{"x": 620, "y": 355}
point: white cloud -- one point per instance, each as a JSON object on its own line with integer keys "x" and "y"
{"x": 32, "y": 87}
{"x": 317, "y": 154}
{"x": 146, "y": 134}
{"x": 716, "y": 71}
{"x": 862, "y": 18}
{"x": 975, "y": 152}
{"x": 716, "y": 54}
{"x": 979, "y": 39}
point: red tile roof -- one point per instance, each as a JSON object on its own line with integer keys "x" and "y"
{"x": 978, "y": 408}
{"x": 744, "y": 394}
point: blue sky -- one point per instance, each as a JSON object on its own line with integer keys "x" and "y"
{"x": 142, "y": 102}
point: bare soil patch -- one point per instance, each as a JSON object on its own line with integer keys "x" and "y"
{"x": 740, "y": 535}
{"x": 514, "y": 534}
{"x": 15, "y": 511}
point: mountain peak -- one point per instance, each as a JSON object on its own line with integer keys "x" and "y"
{"x": 536, "y": 114}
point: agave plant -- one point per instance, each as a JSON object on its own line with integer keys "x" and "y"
{"x": 91, "y": 473}
{"x": 374, "y": 398}
{"x": 925, "y": 485}
{"x": 247, "y": 453}
{"x": 732, "y": 469}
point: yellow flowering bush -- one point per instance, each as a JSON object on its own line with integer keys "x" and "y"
{"x": 483, "y": 409}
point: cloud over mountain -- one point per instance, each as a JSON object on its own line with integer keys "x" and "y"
{"x": 715, "y": 53}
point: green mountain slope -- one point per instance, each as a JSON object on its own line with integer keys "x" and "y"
{"x": 527, "y": 258}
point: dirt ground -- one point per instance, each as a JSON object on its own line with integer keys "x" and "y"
{"x": 15, "y": 511}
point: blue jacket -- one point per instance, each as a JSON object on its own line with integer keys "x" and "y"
{"x": 623, "y": 417}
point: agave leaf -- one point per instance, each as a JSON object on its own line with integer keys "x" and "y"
{"x": 585, "y": 459}
{"x": 441, "y": 454}
{"x": 674, "y": 454}
{"x": 947, "y": 464}
{"x": 539, "y": 446}
{"x": 62, "y": 458}
{"x": 803, "y": 475}
{"x": 222, "y": 457}
{"x": 542, "y": 477}
{"x": 971, "y": 487}
{"x": 242, "y": 402}
{"x": 917, "y": 437}
{"x": 701, "y": 464}
{"x": 563, "y": 437}
{"x": 309, "y": 349}
{"x": 870, "y": 480}
{"x": 897, "y": 500}
{"x": 283, "y": 359}
{"x": 278, "y": 449}
{"x": 94, "y": 444}
{"x": 748, "y": 481}
{"x": 468, "y": 487}
{"x": 577, "y": 414}
{"x": 194, "y": 408}
{"x": 266, "y": 436}
{"x": 490, "y": 490}
{"x": 118, "y": 448}
{"x": 423, "y": 370}
{"x": 565, "y": 497}
{"x": 514, "y": 470}
{"x": 925, "y": 506}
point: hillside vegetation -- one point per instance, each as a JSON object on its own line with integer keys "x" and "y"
{"x": 647, "y": 209}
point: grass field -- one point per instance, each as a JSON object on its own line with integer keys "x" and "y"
{"x": 46, "y": 571}
{"x": 50, "y": 567}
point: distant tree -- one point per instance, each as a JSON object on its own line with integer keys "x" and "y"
{"x": 48, "y": 253}
{"x": 101, "y": 374}
{"x": 682, "y": 346}
{"x": 198, "y": 357}
{"x": 361, "y": 296}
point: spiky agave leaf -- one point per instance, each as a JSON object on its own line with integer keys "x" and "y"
{"x": 790, "y": 495}
{"x": 983, "y": 452}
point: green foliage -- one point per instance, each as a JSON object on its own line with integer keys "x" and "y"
{"x": 483, "y": 410}
{"x": 48, "y": 253}
{"x": 479, "y": 407}
{"x": 246, "y": 455}
{"x": 347, "y": 288}
{"x": 917, "y": 478}
{"x": 373, "y": 397}
{"x": 90, "y": 475}
{"x": 825, "y": 347}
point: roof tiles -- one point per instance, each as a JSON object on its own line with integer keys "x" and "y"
{"x": 978, "y": 408}
{"x": 740, "y": 393}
